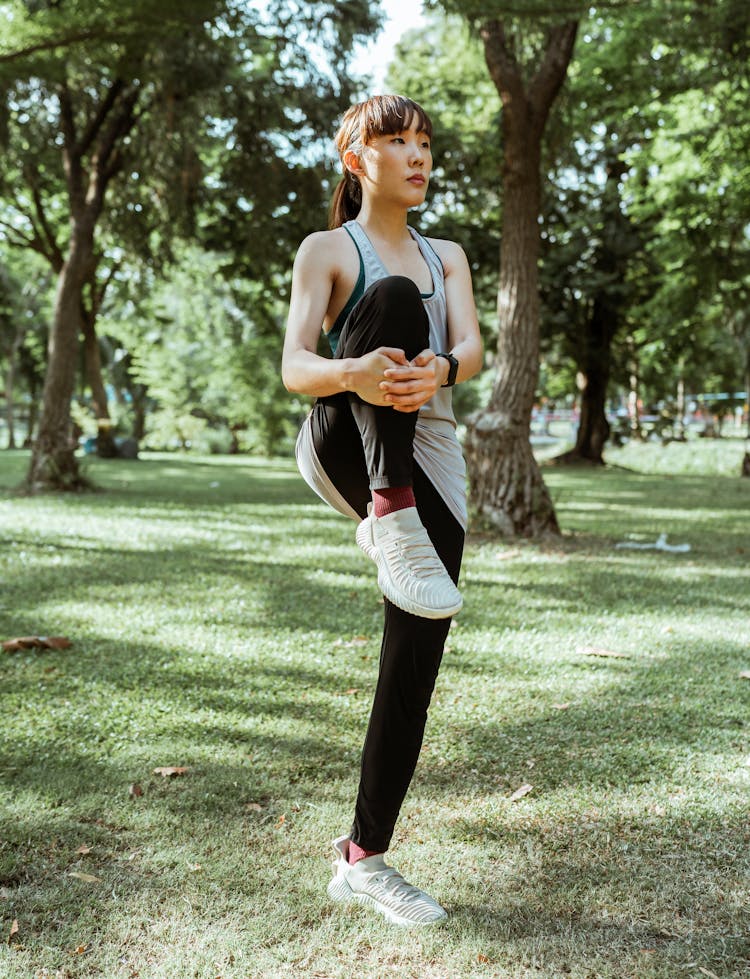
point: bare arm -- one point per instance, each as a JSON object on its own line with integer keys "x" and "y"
{"x": 302, "y": 369}
{"x": 410, "y": 387}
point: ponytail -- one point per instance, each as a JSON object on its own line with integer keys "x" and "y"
{"x": 346, "y": 201}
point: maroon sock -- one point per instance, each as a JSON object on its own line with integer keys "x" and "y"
{"x": 357, "y": 853}
{"x": 392, "y": 498}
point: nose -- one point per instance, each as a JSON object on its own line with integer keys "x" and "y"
{"x": 417, "y": 156}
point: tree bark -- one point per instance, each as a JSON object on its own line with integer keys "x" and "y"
{"x": 53, "y": 462}
{"x": 507, "y": 489}
{"x": 105, "y": 440}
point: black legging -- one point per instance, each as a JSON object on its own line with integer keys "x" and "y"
{"x": 363, "y": 446}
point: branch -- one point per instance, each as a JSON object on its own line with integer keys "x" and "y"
{"x": 97, "y": 295}
{"x": 53, "y": 252}
{"x": 59, "y": 42}
{"x": 549, "y": 79}
{"x": 20, "y": 240}
{"x": 97, "y": 122}
{"x": 106, "y": 159}
{"x": 66, "y": 115}
{"x": 502, "y": 63}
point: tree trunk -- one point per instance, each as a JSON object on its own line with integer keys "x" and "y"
{"x": 9, "y": 385}
{"x": 593, "y": 379}
{"x": 100, "y": 142}
{"x": 105, "y": 439}
{"x": 53, "y": 461}
{"x": 679, "y": 427}
{"x": 634, "y": 413}
{"x": 593, "y": 427}
{"x": 507, "y": 488}
{"x": 595, "y": 361}
{"x": 28, "y": 442}
{"x": 9, "y": 405}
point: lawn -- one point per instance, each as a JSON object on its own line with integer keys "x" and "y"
{"x": 223, "y": 620}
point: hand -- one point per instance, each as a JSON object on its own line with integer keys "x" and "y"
{"x": 370, "y": 370}
{"x": 408, "y": 387}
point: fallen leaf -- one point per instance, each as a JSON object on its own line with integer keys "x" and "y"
{"x": 596, "y": 651}
{"x": 168, "y": 770}
{"x": 482, "y": 958}
{"x": 281, "y": 821}
{"x": 351, "y": 691}
{"x": 80, "y": 950}
{"x": 135, "y": 791}
{"x": 707, "y": 972}
{"x": 745, "y": 675}
{"x": 84, "y": 849}
{"x": 254, "y": 807}
{"x": 13, "y": 930}
{"x": 561, "y": 706}
{"x": 36, "y": 642}
{"x": 88, "y": 878}
{"x": 520, "y": 793}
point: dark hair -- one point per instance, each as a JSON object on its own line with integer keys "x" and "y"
{"x": 382, "y": 115}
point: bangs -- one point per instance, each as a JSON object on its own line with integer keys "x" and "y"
{"x": 387, "y": 115}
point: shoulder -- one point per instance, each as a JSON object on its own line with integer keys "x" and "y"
{"x": 324, "y": 254}
{"x": 324, "y": 245}
{"x": 450, "y": 253}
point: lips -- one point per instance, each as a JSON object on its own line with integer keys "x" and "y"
{"x": 417, "y": 179}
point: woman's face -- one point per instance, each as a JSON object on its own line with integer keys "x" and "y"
{"x": 396, "y": 167}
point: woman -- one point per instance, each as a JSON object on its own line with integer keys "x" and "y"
{"x": 380, "y": 446}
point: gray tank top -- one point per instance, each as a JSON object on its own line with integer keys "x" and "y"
{"x": 436, "y": 446}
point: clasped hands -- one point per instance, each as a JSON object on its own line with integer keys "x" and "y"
{"x": 390, "y": 379}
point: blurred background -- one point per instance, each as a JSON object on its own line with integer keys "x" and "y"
{"x": 160, "y": 164}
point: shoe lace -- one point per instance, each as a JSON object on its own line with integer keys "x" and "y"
{"x": 393, "y": 884}
{"x": 421, "y": 556}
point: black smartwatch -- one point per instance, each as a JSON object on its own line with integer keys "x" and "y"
{"x": 452, "y": 370}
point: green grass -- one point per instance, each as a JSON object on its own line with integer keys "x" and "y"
{"x": 223, "y": 619}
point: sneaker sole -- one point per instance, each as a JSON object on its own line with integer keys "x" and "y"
{"x": 340, "y": 892}
{"x": 385, "y": 583}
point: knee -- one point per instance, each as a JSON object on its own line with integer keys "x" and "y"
{"x": 399, "y": 303}
{"x": 397, "y": 290}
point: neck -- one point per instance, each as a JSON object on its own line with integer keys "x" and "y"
{"x": 383, "y": 222}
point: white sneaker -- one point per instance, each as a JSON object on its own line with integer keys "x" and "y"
{"x": 373, "y": 883}
{"x": 410, "y": 573}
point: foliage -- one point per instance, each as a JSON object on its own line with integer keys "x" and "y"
{"x": 206, "y": 346}
{"x": 201, "y": 120}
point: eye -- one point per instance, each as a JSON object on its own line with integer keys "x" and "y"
{"x": 397, "y": 139}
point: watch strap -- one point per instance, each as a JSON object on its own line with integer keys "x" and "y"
{"x": 452, "y": 369}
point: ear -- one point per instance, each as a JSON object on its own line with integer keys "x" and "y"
{"x": 353, "y": 163}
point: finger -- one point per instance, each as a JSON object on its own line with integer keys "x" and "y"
{"x": 423, "y": 359}
{"x": 414, "y": 398}
{"x": 408, "y": 373}
{"x": 393, "y": 353}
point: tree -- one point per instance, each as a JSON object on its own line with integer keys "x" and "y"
{"x": 115, "y": 89}
{"x": 528, "y": 68}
